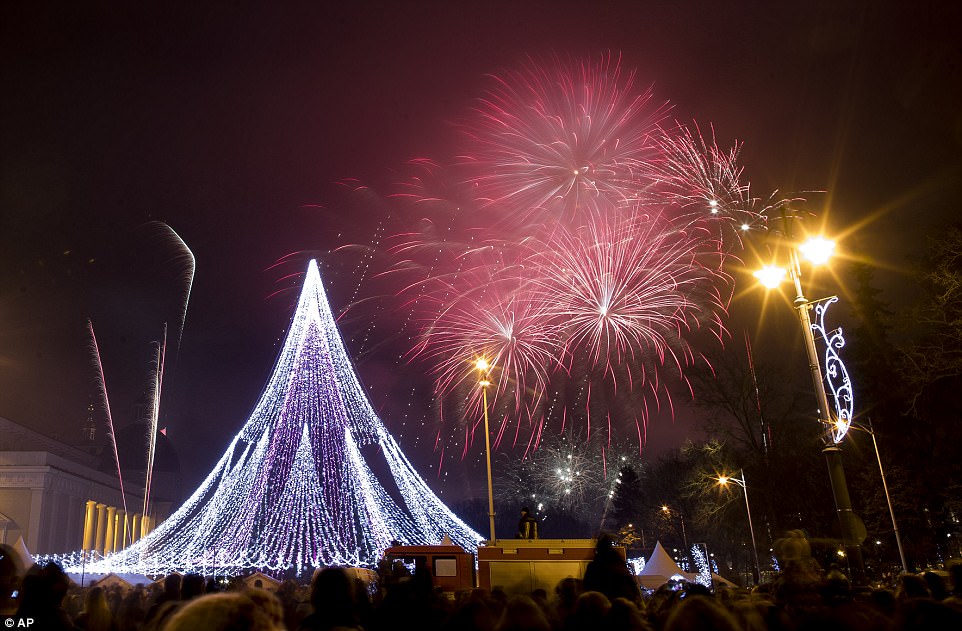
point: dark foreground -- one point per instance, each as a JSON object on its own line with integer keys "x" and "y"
{"x": 798, "y": 598}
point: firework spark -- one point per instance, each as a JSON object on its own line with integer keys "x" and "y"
{"x": 185, "y": 259}
{"x": 158, "y": 379}
{"x": 95, "y": 352}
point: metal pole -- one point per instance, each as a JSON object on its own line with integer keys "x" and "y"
{"x": 885, "y": 486}
{"x": 751, "y": 530}
{"x": 843, "y": 503}
{"x": 487, "y": 454}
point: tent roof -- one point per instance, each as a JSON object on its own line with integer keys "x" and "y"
{"x": 24, "y": 557}
{"x": 660, "y": 564}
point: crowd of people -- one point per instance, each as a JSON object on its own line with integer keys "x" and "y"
{"x": 800, "y": 597}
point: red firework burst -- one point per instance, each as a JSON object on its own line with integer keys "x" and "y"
{"x": 576, "y": 238}
{"x": 564, "y": 138}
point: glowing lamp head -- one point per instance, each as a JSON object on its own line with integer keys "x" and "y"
{"x": 482, "y": 365}
{"x": 723, "y": 480}
{"x": 746, "y": 227}
{"x": 817, "y": 250}
{"x": 664, "y": 509}
{"x": 770, "y": 276}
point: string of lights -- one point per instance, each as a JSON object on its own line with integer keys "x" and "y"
{"x": 296, "y": 487}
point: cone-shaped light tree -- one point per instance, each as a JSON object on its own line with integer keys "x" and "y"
{"x": 297, "y": 487}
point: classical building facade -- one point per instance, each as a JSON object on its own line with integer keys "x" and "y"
{"x": 45, "y": 488}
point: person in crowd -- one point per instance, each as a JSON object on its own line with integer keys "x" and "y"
{"x": 165, "y": 604}
{"x": 936, "y": 585}
{"x": 192, "y": 586}
{"x": 954, "y": 598}
{"x": 608, "y": 572}
{"x": 96, "y": 615}
{"x": 624, "y": 615}
{"x": 9, "y": 580}
{"x": 566, "y": 594}
{"x": 700, "y": 613}
{"x": 527, "y": 525}
{"x": 229, "y": 611}
{"x": 912, "y": 586}
{"x": 41, "y": 598}
{"x": 334, "y": 601}
{"x": 133, "y": 610}
{"x": 523, "y": 614}
{"x": 270, "y": 604}
{"x": 589, "y": 613}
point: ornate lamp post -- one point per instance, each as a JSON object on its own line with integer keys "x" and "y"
{"x": 818, "y": 251}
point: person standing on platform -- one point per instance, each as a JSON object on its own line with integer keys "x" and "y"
{"x": 527, "y": 525}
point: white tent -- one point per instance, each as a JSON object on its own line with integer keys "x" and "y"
{"x": 659, "y": 569}
{"x": 23, "y": 555}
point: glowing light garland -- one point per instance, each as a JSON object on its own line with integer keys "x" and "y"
{"x": 703, "y": 577}
{"x": 637, "y": 564}
{"x": 836, "y": 375}
{"x": 295, "y": 488}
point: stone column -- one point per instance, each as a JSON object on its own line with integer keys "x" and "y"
{"x": 101, "y": 528}
{"x": 89, "y": 526}
{"x": 135, "y": 528}
{"x": 109, "y": 536}
{"x": 119, "y": 532}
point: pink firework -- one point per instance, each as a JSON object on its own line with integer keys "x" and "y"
{"x": 577, "y": 243}
{"x": 628, "y": 287}
{"x": 561, "y": 139}
{"x": 505, "y": 327}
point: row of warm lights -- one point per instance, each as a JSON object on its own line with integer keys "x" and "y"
{"x": 817, "y": 251}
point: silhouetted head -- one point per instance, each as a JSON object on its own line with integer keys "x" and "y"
{"x": 172, "y": 585}
{"x": 333, "y": 596}
{"x": 223, "y": 612}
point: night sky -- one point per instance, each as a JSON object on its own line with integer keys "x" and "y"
{"x": 234, "y": 124}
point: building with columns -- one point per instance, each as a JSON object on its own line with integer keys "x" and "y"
{"x": 55, "y": 496}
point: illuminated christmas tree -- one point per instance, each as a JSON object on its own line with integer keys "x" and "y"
{"x": 296, "y": 487}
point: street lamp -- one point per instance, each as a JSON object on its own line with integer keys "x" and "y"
{"x": 484, "y": 368}
{"x": 723, "y": 480}
{"x": 895, "y": 527}
{"x": 818, "y": 250}
{"x": 681, "y": 518}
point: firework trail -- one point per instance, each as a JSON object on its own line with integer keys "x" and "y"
{"x": 95, "y": 350}
{"x": 185, "y": 258}
{"x": 765, "y": 431}
{"x": 154, "y": 416}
